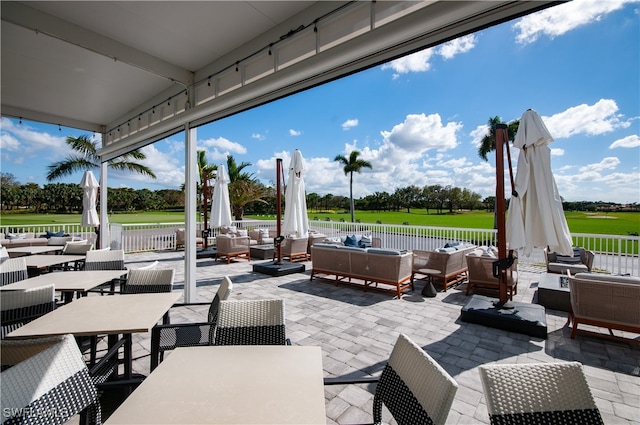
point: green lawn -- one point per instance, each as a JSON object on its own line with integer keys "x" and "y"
{"x": 579, "y": 222}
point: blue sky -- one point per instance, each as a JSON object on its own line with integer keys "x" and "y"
{"x": 418, "y": 119}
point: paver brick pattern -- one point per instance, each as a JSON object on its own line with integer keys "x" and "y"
{"x": 356, "y": 331}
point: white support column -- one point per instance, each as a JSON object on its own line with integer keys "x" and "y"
{"x": 190, "y": 178}
{"x": 104, "y": 218}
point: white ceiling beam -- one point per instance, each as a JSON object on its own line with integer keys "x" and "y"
{"x": 31, "y": 115}
{"x": 43, "y": 23}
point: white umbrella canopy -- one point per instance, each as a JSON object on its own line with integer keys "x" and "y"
{"x": 90, "y": 186}
{"x": 220, "y": 205}
{"x": 536, "y": 217}
{"x": 295, "y": 202}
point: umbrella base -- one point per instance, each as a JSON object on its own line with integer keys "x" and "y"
{"x": 272, "y": 268}
{"x": 206, "y": 252}
{"x": 523, "y": 318}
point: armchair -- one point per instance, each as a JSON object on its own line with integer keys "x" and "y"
{"x": 251, "y": 322}
{"x": 481, "y": 274}
{"x": 230, "y": 247}
{"x": 24, "y": 305}
{"x": 13, "y": 270}
{"x": 294, "y": 248}
{"x": 180, "y": 239}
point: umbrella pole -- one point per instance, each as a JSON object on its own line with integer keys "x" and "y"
{"x": 501, "y": 140}
{"x": 278, "y": 209}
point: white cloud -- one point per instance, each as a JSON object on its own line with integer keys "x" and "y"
{"x": 8, "y": 142}
{"x": 168, "y": 168}
{"x": 415, "y": 62}
{"x": 557, "y": 152}
{"x": 31, "y": 143}
{"x": 608, "y": 163}
{"x": 419, "y": 133}
{"x": 478, "y": 134}
{"x": 294, "y": 133}
{"x": 258, "y": 136}
{"x": 595, "y": 119}
{"x": 563, "y": 18}
{"x": 219, "y": 148}
{"x": 460, "y": 45}
{"x": 349, "y": 124}
{"x": 632, "y": 141}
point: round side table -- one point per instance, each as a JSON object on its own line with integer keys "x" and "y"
{"x": 429, "y": 290}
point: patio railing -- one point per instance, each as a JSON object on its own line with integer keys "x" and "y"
{"x": 614, "y": 253}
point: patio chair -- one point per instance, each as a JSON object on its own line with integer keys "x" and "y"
{"x": 22, "y": 306}
{"x": 46, "y": 375}
{"x": 74, "y": 248}
{"x": 167, "y": 337}
{"x": 180, "y": 239}
{"x": 232, "y": 247}
{"x": 13, "y": 270}
{"x": 4, "y": 254}
{"x": 251, "y": 322}
{"x": 481, "y": 274}
{"x": 140, "y": 281}
{"x": 580, "y": 262}
{"x": 413, "y": 386}
{"x": 105, "y": 260}
{"x": 295, "y": 249}
{"x": 538, "y": 393}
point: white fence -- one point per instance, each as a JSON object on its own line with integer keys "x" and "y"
{"x": 614, "y": 254}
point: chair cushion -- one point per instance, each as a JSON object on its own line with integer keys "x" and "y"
{"x": 351, "y": 241}
{"x": 567, "y": 260}
{"x": 58, "y": 234}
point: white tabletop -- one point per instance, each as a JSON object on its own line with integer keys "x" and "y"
{"x": 30, "y": 250}
{"x": 96, "y": 315}
{"x": 275, "y": 384}
{"x": 46, "y": 260}
{"x": 68, "y": 281}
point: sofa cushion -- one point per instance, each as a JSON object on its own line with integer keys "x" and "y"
{"x": 449, "y": 249}
{"x": 57, "y": 234}
{"x": 609, "y": 278}
{"x": 350, "y": 248}
{"x": 351, "y": 241}
{"x": 242, "y": 232}
{"x": 325, "y": 245}
{"x": 383, "y": 251}
{"x": 565, "y": 259}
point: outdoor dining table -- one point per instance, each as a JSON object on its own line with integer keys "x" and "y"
{"x": 235, "y": 384}
{"x": 37, "y": 263}
{"x": 22, "y": 251}
{"x": 103, "y": 315}
{"x": 68, "y": 282}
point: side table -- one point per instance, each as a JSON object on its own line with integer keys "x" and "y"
{"x": 429, "y": 290}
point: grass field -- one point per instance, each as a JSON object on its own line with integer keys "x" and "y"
{"x": 623, "y": 223}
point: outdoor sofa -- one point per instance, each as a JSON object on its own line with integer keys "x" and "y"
{"x": 450, "y": 261}
{"x": 372, "y": 266}
{"x": 607, "y": 301}
{"x": 580, "y": 262}
{"x": 16, "y": 240}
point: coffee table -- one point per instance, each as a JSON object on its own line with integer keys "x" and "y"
{"x": 553, "y": 291}
{"x": 262, "y": 252}
{"x": 32, "y": 250}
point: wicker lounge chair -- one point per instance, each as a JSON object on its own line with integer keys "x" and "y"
{"x": 413, "y": 386}
{"x": 611, "y": 302}
{"x": 295, "y": 249}
{"x": 167, "y": 337}
{"x": 481, "y": 274}
{"x": 232, "y": 247}
{"x": 580, "y": 262}
{"x": 539, "y": 393}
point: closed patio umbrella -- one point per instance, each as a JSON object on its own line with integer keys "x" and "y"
{"x": 220, "y": 205}
{"x": 295, "y": 202}
{"x": 90, "y": 186}
{"x": 536, "y": 217}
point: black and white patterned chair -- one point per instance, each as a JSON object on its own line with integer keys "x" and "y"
{"x": 13, "y": 270}
{"x": 22, "y": 306}
{"x": 167, "y": 337}
{"x": 414, "y": 387}
{"x": 45, "y": 381}
{"x": 105, "y": 260}
{"x": 251, "y": 322}
{"x": 538, "y": 393}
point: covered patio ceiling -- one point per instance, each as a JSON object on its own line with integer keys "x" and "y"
{"x": 139, "y": 71}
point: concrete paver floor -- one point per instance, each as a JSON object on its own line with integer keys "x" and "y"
{"x": 357, "y": 330}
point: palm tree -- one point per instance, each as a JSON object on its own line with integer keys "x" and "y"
{"x": 87, "y": 158}
{"x": 488, "y": 143}
{"x": 243, "y": 187}
{"x": 205, "y": 171}
{"x": 350, "y": 165}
